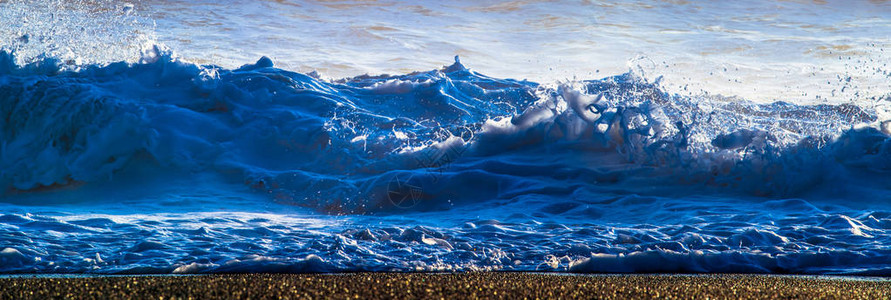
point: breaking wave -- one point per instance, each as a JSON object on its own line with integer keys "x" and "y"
{"x": 720, "y": 184}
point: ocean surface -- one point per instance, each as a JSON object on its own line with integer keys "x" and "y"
{"x": 157, "y": 137}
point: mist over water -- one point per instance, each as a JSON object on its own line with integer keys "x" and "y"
{"x": 191, "y": 137}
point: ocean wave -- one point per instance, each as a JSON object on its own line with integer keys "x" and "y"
{"x": 601, "y": 175}
{"x": 450, "y": 135}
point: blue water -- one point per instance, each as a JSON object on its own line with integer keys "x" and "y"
{"x": 157, "y": 163}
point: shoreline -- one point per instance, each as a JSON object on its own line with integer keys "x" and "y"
{"x": 511, "y": 285}
{"x": 796, "y": 276}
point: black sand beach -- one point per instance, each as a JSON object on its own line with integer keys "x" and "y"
{"x": 444, "y": 286}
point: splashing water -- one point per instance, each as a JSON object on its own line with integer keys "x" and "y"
{"x": 130, "y": 159}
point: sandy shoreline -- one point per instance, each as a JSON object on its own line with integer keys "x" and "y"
{"x": 444, "y": 285}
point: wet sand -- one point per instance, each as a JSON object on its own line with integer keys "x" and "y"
{"x": 444, "y": 285}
